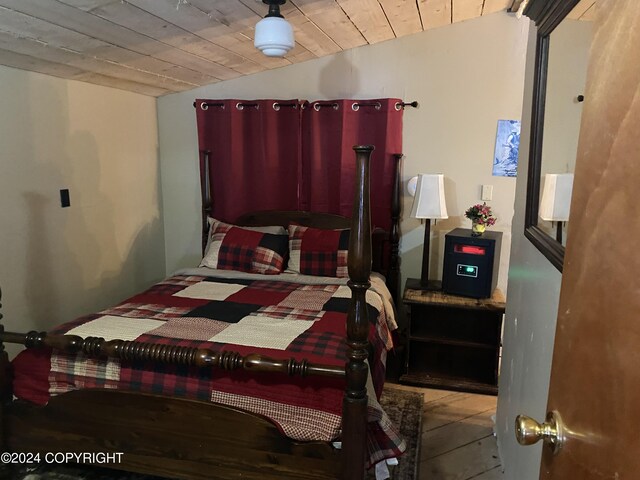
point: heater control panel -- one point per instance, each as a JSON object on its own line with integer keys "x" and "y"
{"x": 467, "y": 270}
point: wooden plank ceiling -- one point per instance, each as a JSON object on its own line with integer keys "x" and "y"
{"x": 155, "y": 47}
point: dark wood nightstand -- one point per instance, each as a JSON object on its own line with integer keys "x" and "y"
{"x": 454, "y": 342}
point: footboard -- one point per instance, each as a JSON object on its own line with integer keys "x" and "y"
{"x": 171, "y": 437}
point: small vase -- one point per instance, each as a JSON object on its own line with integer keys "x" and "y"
{"x": 477, "y": 229}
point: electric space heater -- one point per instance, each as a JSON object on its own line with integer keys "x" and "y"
{"x": 471, "y": 263}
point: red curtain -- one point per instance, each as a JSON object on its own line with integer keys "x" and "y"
{"x": 330, "y": 130}
{"x": 275, "y": 155}
{"x": 254, "y": 150}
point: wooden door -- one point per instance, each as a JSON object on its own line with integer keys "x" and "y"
{"x": 595, "y": 379}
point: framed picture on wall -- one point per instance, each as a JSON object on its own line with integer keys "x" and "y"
{"x": 505, "y": 157}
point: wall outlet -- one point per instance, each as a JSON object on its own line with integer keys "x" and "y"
{"x": 487, "y": 192}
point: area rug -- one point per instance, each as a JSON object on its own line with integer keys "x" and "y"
{"x": 404, "y": 408}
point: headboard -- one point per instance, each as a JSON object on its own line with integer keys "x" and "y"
{"x": 385, "y": 244}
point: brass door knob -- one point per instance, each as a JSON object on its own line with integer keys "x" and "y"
{"x": 528, "y": 431}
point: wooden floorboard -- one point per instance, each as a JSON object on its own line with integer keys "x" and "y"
{"x": 454, "y": 435}
{"x": 455, "y": 408}
{"x": 462, "y": 463}
{"x": 493, "y": 474}
{"x": 457, "y": 436}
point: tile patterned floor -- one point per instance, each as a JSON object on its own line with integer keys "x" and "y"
{"x": 457, "y": 436}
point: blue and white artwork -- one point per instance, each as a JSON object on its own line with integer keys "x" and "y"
{"x": 505, "y": 158}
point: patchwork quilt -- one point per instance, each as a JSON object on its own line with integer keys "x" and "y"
{"x": 284, "y": 316}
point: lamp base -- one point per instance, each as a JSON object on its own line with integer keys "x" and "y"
{"x": 416, "y": 284}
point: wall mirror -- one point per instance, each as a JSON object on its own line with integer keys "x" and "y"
{"x": 565, "y": 29}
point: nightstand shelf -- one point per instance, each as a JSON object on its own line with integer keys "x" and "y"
{"x": 454, "y": 342}
{"x": 450, "y": 341}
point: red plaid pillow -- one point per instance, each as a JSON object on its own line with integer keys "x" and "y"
{"x": 237, "y": 248}
{"x": 313, "y": 251}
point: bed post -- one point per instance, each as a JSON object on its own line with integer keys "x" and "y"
{"x": 5, "y": 391}
{"x": 4, "y": 365}
{"x": 354, "y": 417}
{"x": 393, "y": 275}
{"x": 205, "y": 188}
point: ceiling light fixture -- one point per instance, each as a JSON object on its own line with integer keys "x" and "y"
{"x": 274, "y": 35}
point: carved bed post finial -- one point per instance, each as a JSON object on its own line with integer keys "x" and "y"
{"x": 354, "y": 419}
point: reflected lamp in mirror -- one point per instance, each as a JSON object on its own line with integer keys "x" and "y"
{"x": 556, "y": 199}
{"x": 428, "y": 203}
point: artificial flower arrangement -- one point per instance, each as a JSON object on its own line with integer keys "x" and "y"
{"x": 481, "y": 217}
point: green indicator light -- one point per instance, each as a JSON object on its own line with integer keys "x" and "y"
{"x": 469, "y": 270}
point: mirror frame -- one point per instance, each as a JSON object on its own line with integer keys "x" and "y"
{"x": 546, "y": 14}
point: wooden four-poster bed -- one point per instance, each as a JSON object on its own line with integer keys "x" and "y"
{"x": 193, "y": 439}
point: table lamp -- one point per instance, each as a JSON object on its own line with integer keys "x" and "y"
{"x": 556, "y": 199}
{"x": 428, "y": 203}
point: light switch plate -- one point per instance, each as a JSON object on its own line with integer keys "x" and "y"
{"x": 487, "y": 192}
{"x": 65, "y": 201}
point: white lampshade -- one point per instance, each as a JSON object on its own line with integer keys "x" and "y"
{"x": 429, "y": 199}
{"x": 556, "y": 197}
{"x": 274, "y": 36}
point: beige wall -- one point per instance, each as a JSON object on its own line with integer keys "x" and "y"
{"x": 101, "y": 144}
{"x": 465, "y": 76}
{"x": 530, "y": 321}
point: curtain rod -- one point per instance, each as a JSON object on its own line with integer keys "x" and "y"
{"x": 240, "y": 105}
{"x": 378, "y": 105}
{"x": 413, "y": 104}
{"x": 356, "y": 105}
{"x": 206, "y": 105}
{"x": 276, "y": 106}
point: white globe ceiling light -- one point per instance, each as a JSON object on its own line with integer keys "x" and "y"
{"x": 274, "y": 35}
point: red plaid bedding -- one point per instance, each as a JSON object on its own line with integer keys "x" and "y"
{"x": 278, "y": 318}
